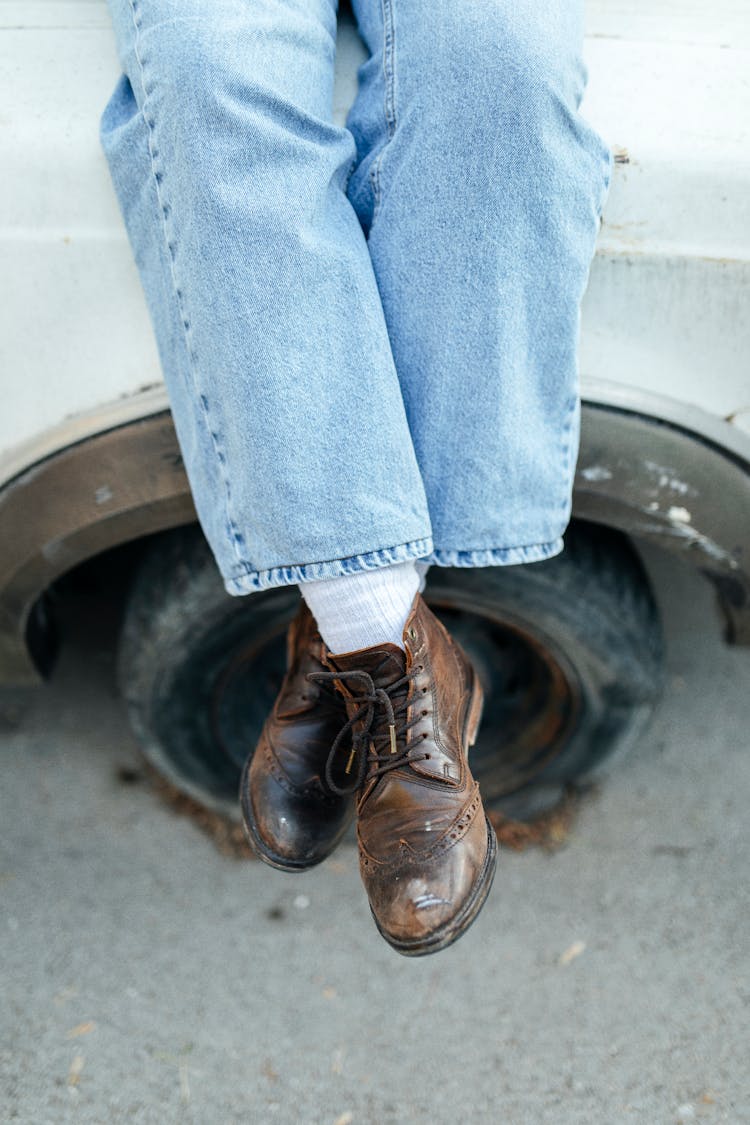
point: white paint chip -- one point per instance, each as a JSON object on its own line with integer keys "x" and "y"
{"x": 103, "y": 494}
{"x": 596, "y": 472}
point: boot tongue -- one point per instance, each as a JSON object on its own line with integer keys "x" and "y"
{"x": 383, "y": 663}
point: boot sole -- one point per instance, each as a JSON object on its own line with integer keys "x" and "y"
{"x": 458, "y": 926}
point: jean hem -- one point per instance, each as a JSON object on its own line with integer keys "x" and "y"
{"x": 497, "y": 556}
{"x": 253, "y": 580}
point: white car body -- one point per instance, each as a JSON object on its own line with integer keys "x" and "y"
{"x": 665, "y": 333}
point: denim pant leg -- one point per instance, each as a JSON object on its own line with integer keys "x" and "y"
{"x": 480, "y": 187}
{"x": 231, "y": 179}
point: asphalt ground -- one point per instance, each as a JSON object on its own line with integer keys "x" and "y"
{"x": 146, "y": 977}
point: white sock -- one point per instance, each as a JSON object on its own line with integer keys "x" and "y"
{"x": 363, "y": 609}
{"x": 422, "y": 567}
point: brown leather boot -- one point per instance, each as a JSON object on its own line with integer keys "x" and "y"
{"x": 292, "y": 818}
{"x": 427, "y": 851}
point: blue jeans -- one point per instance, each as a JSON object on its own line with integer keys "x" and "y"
{"x": 368, "y": 334}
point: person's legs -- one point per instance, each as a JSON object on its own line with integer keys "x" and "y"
{"x": 480, "y": 187}
{"x": 283, "y": 386}
{"x": 231, "y": 177}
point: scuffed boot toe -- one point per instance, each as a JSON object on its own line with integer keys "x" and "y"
{"x": 425, "y": 902}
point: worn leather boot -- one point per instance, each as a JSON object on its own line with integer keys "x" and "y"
{"x": 292, "y": 818}
{"x": 427, "y": 851}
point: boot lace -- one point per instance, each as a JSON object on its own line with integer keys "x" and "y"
{"x": 374, "y": 744}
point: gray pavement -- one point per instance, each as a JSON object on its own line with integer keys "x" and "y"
{"x": 148, "y": 978}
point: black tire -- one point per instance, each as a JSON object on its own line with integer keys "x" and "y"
{"x": 569, "y": 652}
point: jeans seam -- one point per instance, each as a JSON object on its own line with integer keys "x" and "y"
{"x": 234, "y": 532}
{"x": 389, "y": 101}
{"x": 607, "y": 181}
{"x": 499, "y": 550}
{"x": 294, "y": 573}
{"x": 481, "y": 557}
{"x": 566, "y": 448}
{"x": 247, "y": 568}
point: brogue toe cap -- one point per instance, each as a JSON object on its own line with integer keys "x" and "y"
{"x": 421, "y": 903}
{"x": 288, "y": 825}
